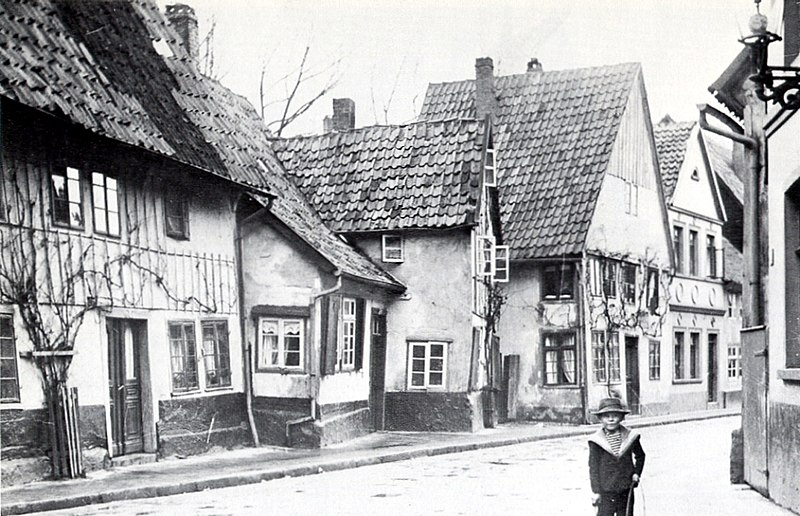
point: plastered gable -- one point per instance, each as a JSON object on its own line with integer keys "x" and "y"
{"x": 696, "y": 189}
{"x": 633, "y": 161}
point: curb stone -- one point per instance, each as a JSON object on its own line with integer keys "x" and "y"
{"x": 321, "y": 466}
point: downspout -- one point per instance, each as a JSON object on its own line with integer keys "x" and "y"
{"x": 584, "y": 370}
{"x": 246, "y": 348}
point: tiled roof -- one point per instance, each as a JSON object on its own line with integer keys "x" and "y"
{"x": 96, "y": 64}
{"x": 722, "y": 164}
{"x": 734, "y": 263}
{"x": 553, "y": 136}
{"x": 728, "y": 87}
{"x": 671, "y": 143}
{"x": 420, "y": 175}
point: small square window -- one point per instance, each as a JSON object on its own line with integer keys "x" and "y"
{"x": 501, "y": 260}
{"x": 393, "y": 248}
{"x": 427, "y": 365}
{"x": 489, "y": 169}
{"x": 486, "y": 253}
{"x": 558, "y": 281}
{"x": 105, "y": 201}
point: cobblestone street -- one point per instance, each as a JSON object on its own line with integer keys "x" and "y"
{"x": 686, "y": 474}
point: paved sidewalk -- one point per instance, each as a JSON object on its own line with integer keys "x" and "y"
{"x": 252, "y": 465}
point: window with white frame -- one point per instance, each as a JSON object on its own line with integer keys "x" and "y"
{"x": 346, "y": 349}
{"x": 734, "y": 361}
{"x": 686, "y": 355}
{"x": 631, "y": 198}
{"x": 392, "y": 248}
{"x": 9, "y": 376}
{"x": 489, "y": 169}
{"x": 679, "y": 363}
{"x": 176, "y": 209}
{"x": 427, "y": 365}
{"x": 628, "y": 282}
{"x": 652, "y": 290}
{"x": 599, "y": 364}
{"x": 693, "y": 253}
{"x": 694, "y": 354}
{"x": 677, "y": 248}
{"x": 281, "y": 343}
{"x": 654, "y": 359}
{"x": 216, "y": 354}
{"x": 559, "y": 358}
{"x": 486, "y": 251}
{"x": 711, "y": 256}
{"x": 183, "y": 356}
{"x": 609, "y": 279}
{"x": 105, "y": 201}
{"x": 501, "y": 260}
{"x": 66, "y": 196}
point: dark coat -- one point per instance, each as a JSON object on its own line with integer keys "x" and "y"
{"x": 612, "y": 473}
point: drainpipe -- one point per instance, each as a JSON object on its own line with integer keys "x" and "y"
{"x": 246, "y": 348}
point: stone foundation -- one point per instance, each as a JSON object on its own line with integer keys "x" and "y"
{"x": 566, "y": 415}
{"x": 433, "y": 411}
{"x": 273, "y": 414}
{"x": 784, "y": 450}
{"x": 189, "y": 426}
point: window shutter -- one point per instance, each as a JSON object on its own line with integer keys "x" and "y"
{"x": 359, "y": 358}
{"x": 330, "y": 333}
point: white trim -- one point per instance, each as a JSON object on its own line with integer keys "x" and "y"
{"x": 386, "y": 249}
{"x": 264, "y": 355}
{"x": 484, "y": 245}
{"x": 490, "y": 171}
{"x": 503, "y": 272}
{"x": 426, "y": 372}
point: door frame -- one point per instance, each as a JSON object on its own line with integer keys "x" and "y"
{"x": 632, "y": 351}
{"x": 712, "y": 368}
{"x": 377, "y": 368}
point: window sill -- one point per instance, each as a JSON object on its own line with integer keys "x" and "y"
{"x": 186, "y": 394}
{"x": 11, "y": 405}
{"x": 558, "y": 299}
{"x": 606, "y": 382}
{"x": 221, "y": 388}
{"x": 426, "y": 389}
{"x": 561, "y": 386}
{"x": 789, "y": 375}
{"x": 281, "y": 370}
{"x": 687, "y": 381}
{"x": 184, "y": 238}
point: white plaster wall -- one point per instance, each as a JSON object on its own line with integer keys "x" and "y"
{"x": 784, "y": 171}
{"x": 696, "y": 196}
{"x": 437, "y": 271}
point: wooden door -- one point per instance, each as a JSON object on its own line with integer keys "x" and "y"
{"x": 125, "y": 339}
{"x": 632, "y": 373}
{"x": 713, "y": 368}
{"x": 754, "y": 407}
{"x": 377, "y": 369}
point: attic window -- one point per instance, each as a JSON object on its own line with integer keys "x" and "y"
{"x": 695, "y": 175}
{"x": 501, "y": 264}
{"x": 392, "y": 248}
{"x": 162, "y": 48}
{"x": 489, "y": 177}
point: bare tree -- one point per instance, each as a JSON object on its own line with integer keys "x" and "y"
{"x": 299, "y": 90}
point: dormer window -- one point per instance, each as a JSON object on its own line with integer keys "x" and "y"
{"x": 489, "y": 176}
{"x": 393, "y": 248}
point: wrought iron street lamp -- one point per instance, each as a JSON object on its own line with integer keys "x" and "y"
{"x": 780, "y": 84}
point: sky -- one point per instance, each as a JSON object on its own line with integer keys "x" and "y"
{"x": 383, "y": 54}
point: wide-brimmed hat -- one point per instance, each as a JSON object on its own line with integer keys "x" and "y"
{"x": 611, "y": 405}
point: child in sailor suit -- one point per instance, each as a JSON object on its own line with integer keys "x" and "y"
{"x": 616, "y": 460}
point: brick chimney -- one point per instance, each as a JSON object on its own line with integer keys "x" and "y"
{"x": 184, "y": 21}
{"x": 344, "y": 116}
{"x": 534, "y": 65}
{"x": 485, "y": 98}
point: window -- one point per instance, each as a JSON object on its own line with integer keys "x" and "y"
{"x": 427, "y": 365}
{"x": 652, "y": 290}
{"x": 692, "y": 252}
{"x": 486, "y": 256}
{"x": 559, "y": 358}
{"x": 694, "y": 354}
{"x": 280, "y": 343}
{"x": 654, "y": 359}
{"x": 609, "y": 279}
{"x": 501, "y": 267}
{"x": 176, "y": 210}
{"x": 67, "y": 204}
{"x": 216, "y": 354}
{"x": 734, "y": 361}
{"x": 183, "y": 356}
{"x": 677, "y": 247}
{"x": 489, "y": 176}
{"x": 595, "y": 276}
{"x": 695, "y": 175}
{"x": 558, "y": 281}
{"x": 346, "y": 349}
{"x": 631, "y": 198}
{"x": 678, "y": 355}
{"x": 599, "y": 367}
{"x": 9, "y": 378}
{"x": 3, "y": 213}
{"x": 628, "y": 287}
{"x": 613, "y": 358}
{"x": 392, "y": 248}
{"x": 105, "y": 202}
{"x": 711, "y": 256}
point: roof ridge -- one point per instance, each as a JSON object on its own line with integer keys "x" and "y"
{"x": 365, "y": 128}
{"x": 546, "y": 72}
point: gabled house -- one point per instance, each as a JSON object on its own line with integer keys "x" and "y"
{"x": 121, "y": 178}
{"x": 583, "y": 214}
{"x": 705, "y": 335}
{"x": 316, "y": 323}
{"x": 420, "y": 200}
{"x": 771, "y": 286}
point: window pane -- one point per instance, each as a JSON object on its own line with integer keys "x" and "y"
{"x": 437, "y": 364}
{"x": 435, "y": 379}
{"x": 418, "y": 379}
{"x": 417, "y": 365}
{"x": 437, "y": 350}
{"x": 113, "y": 224}
{"x": 100, "y": 220}
{"x": 99, "y": 197}
{"x": 418, "y": 351}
